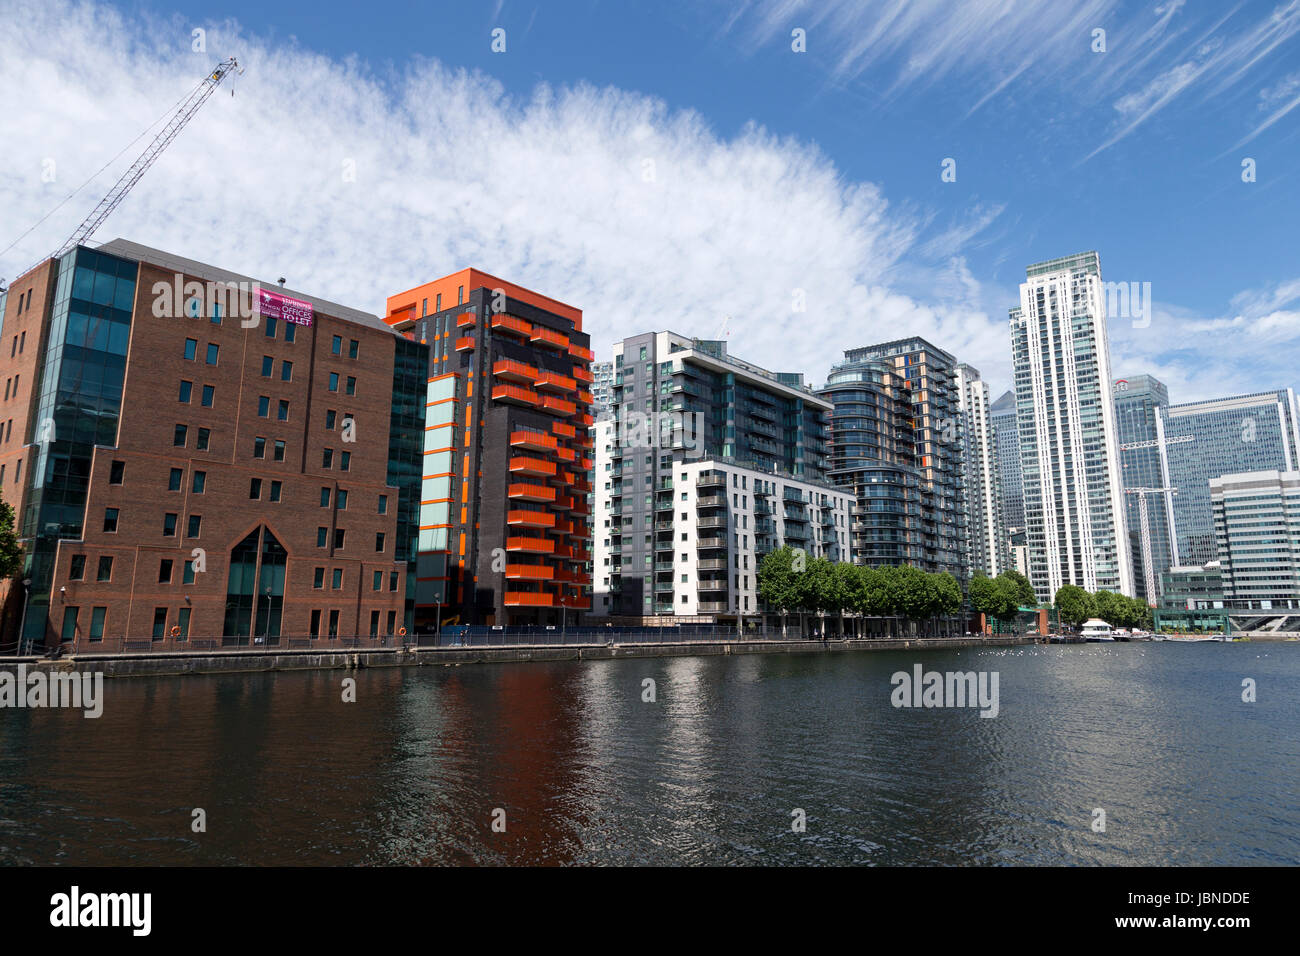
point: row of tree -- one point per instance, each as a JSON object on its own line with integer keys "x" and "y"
{"x": 1003, "y": 596}
{"x": 789, "y": 581}
{"x": 1074, "y": 605}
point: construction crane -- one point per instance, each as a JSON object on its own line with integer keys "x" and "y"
{"x": 1148, "y": 573}
{"x": 184, "y": 113}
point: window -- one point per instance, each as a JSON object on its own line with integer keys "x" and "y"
{"x": 169, "y": 525}
{"x": 374, "y": 623}
{"x": 318, "y": 578}
{"x": 216, "y": 314}
{"x": 334, "y": 381}
{"x": 255, "y": 489}
{"x": 338, "y": 539}
{"x": 324, "y": 497}
{"x": 187, "y": 389}
{"x": 159, "y": 623}
{"x": 392, "y": 621}
{"x": 187, "y": 574}
{"x": 22, "y": 341}
{"x": 351, "y": 388}
{"x": 341, "y": 500}
{"x": 392, "y": 580}
{"x": 264, "y": 406}
{"x": 289, "y": 331}
{"x": 200, "y": 482}
{"x": 353, "y": 348}
{"x": 282, "y": 413}
{"x": 213, "y": 351}
{"x": 110, "y": 520}
{"x": 195, "y": 524}
{"x": 115, "y": 472}
{"x": 460, "y": 295}
{"x": 259, "y": 447}
{"x": 279, "y": 450}
{"x": 437, "y": 303}
{"x": 174, "y": 479}
{"x": 286, "y": 371}
{"x": 105, "y": 570}
{"x": 209, "y": 393}
{"x": 275, "y": 490}
{"x": 377, "y": 584}
{"x": 336, "y": 346}
{"x": 334, "y": 623}
{"x": 327, "y": 458}
{"x": 383, "y": 504}
{"x": 178, "y": 438}
{"x": 165, "y": 571}
{"x": 204, "y": 435}
{"x": 345, "y": 461}
{"x": 322, "y": 537}
{"x": 97, "y": 623}
{"x": 191, "y": 349}
{"x": 77, "y": 567}
{"x": 315, "y": 615}
{"x": 270, "y": 326}
{"x": 268, "y": 365}
{"x": 183, "y": 622}
{"x": 336, "y": 581}
{"x": 379, "y": 541}
{"x": 330, "y": 415}
{"x": 69, "y": 623}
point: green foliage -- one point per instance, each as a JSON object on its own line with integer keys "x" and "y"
{"x": 1021, "y": 588}
{"x": 994, "y": 597}
{"x": 11, "y": 552}
{"x": 777, "y": 586}
{"x": 948, "y": 593}
{"x": 1074, "y": 605}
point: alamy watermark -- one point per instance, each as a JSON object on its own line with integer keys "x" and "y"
{"x": 951, "y": 689}
{"x": 39, "y": 689}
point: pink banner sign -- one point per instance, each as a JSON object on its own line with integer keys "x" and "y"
{"x": 276, "y": 306}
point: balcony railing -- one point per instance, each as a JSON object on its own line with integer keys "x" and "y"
{"x": 515, "y": 395}
{"x": 532, "y": 519}
{"x": 464, "y": 343}
{"x": 514, "y": 371}
{"x": 548, "y": 337}
{"x": 508, "y": 323}
{"x": 530, "y": 492}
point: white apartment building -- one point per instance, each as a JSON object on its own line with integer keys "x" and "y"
{"x": 1074, "y": 508}
{"x": 980, "y": 481}
{"x": 1257, "y": 533}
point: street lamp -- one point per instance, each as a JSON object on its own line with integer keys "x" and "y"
{"x": 22, "y": 621}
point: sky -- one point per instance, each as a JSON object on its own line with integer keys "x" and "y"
{"x": 771, "y": 172}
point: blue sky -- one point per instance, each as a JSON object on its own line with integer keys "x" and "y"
{"x": 817, "y": 169}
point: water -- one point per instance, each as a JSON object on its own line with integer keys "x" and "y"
{"x": 1155, "y": 734}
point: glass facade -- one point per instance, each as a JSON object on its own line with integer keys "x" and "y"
{"x": 78, "y": 406}
{"x": 1138, "y": 400}
{"x": 405, "y": 456}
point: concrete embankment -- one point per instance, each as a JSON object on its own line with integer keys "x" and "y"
{"x": 245, "y": 661}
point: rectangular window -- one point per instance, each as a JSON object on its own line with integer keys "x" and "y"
{"x": 209, "y": 393}
{"x": 77, "y": 567}
{"x": 383, "y": 504}
{"x": 187, "y": 573}
{"x": 275, "y": 490}
{"x": 379, "y": 541}
{"x": 437, "y": 302}
{"x": 354, "y": 348}
{"x": 338, "y": 539}
{"x": 183, "y": 622}
{"x": 345, "y": 461}
{"x": 318, "y": 578}
{"x": 392, "y": 621}
{"x": 282, "y": 413}
{"x": 336, "y": 581}
{"x": 115, "y": 472}
{"x": 315, "y": 614}
{"x": 174, "y": 479}
{"x": 334, "y": 623}
{"x": 169, "y": 525}
{"x": 105, "y": 570}
{"x": 200, "y": 482}
{"x": 187, "y": 389}
{"x": 178, "y": 437}
{"x": 69, "y": 624}
{"x": 330, "y": 416}
{"x": 290, "y": 331}
{"x": 255, "y": 489}
{"x": 286, "y": 371}
{"x": 97, "y": 615}
{"x": 159, "y": 623}
{"x": 392, "y": 580}
{"x": 374, "y": 623}
{"x": 327, "y": 458}
{"x": 377, "y": 584}
{"x": 213, "y": 351}
{"x": 216, "y": 313}
{"x": 268, "y": 365}
{"x": 336, "y": 345}
{"x": 278, "y": 454}
{"x": 334, "y": 381}
{"x": 110, "y": 520}
{"x": 264, "y": 406}
{"x": 322, "y": 537}
{"x": 195, "y": 524}
{"x": 351, "y": 388}
{"x": 191, "y": 349}
{"x": 324, "y": 497}
{"x": 204, "y": 435}
{"x": 341, "y": 500}
{"x": 270, "y": 326}
{"x": 259, "y": 447}
{"x": 165, "y": 571}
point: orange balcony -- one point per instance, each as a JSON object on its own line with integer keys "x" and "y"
{"x": 585, "y": 398}
{"x": 531, "y": 545}
{"x": 508, "y": 323}
{"x": 464, "y": 342}
{"x": 529, "y": 599}
{"x": 513, "y": 371}
{"x": 533, "y": 467}
{"x": 580, "y": 601}
{"x": 464, "y": 319}
{"x": 529, "y": 572}
{"x": 531, "y": 519}
{"x": 515, "y": 395}
{"x": 580, "y": 352}
{"x": 541, "y": 335}
{"x": 558, "y": 406}
{"x": 582, "y": 375}
{"x": 568, "y": 431}
{"x": 562, "y": 502}
{"x": 522, "y": 491}
{"x": 565, "y": 454}
{"x": 555, "y": 380}
{"x": 587, "y": 464}
{"x": 580, "y": 555}
{"x": 534, "y": 441}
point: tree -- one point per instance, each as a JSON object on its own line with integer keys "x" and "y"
{"x": 777, "y": 582}
{"x": 1074, "y": 605}
{"x": 911, "y": 592}
{"x": 1023, "y": 590}
{"x": 843, "y": 584}
{"x": 1112, "y": 608}
{"x": 11, "y": 552}
{"x": 993, "y": 597}
{"x": 949, "y": 593}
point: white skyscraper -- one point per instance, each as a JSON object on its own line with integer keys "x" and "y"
{"x": 1074, "y": 510}
{"x": 980, "y": 481}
